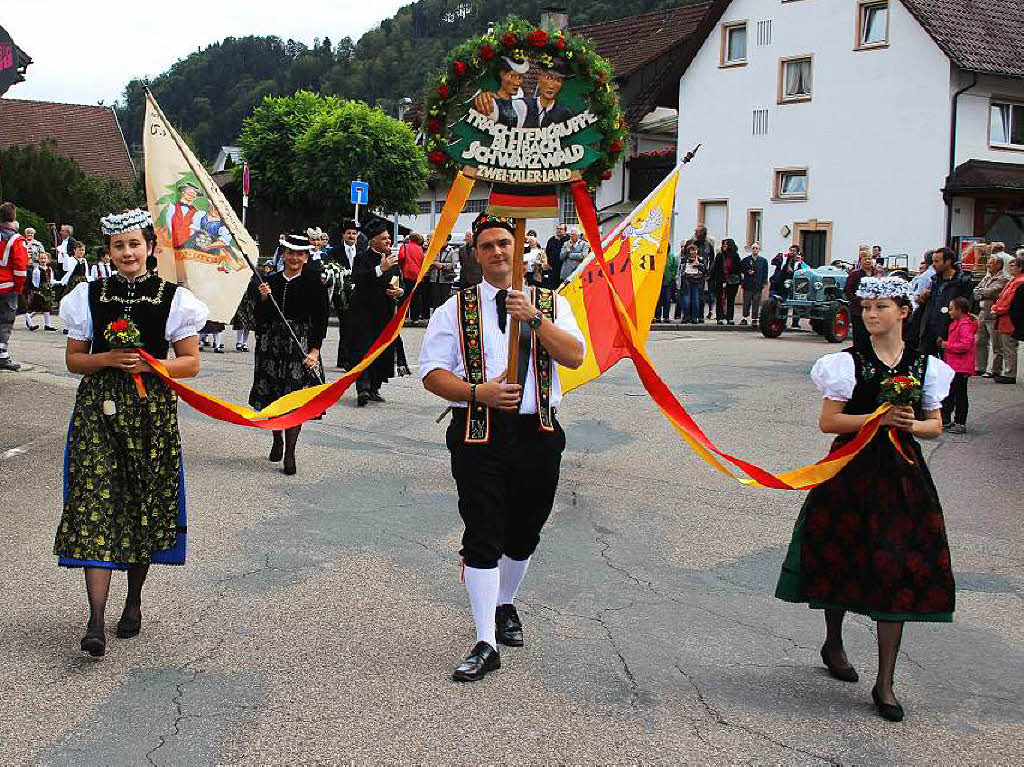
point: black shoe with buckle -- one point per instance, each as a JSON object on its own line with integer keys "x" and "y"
{"x": 482, "y": 660}
{"x": 95, "y": 642}
{"x": 508, "y": 627}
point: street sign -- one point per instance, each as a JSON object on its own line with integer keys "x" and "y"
{"x": 360, "y": 192}
{"x": 245, "y": 179}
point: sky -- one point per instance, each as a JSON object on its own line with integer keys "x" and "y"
{"x": 85, "y": 51}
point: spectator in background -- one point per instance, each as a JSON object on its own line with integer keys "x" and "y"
{"x": 754, "y": 269}
{"x": 726, "y": 276}
{"x": 958, "y": 351}
{"x": 63, "y": 257}
{"x": 691, "y": 277}
{"x": 949, "y": 282}
{"x": 554, "y": 253}
{"x": 1004, "y": 323}
{"x": 663, "y": 311}
{"x": 985, "y": 294}
{"x": 535, "y": 260}
{"x": 102, "y": 268}
{"x": 410, "y": 260}
{"x": 706, "y": 256}
{"x": 469, "y": 269}
{"x": 442, "y": 275}
{"x": 32, "y": 245}
{"x": 574, "y": 250}
{"x": 13, "y": 272}
{"x": 783, "y": 266}
{"x": 865, "y": 268}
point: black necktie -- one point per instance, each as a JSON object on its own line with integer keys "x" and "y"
{"x": 502, "y": 312}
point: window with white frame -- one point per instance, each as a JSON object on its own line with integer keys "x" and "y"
{"x": 734, "y": 44}
{"x": 425, "y": 207}
{"x": 795, "y": 80}
{"x": 790, "y": 184}
{"x": 475, "y": 206}
{"x": 755, "y": 220}
{"x": 1006, "y": 125}
{"x": 872, "y": 24}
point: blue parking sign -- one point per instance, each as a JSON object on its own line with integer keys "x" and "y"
{"x": 360, "y": 192}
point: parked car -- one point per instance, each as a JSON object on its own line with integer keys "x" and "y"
{"x": 814, "y": 294}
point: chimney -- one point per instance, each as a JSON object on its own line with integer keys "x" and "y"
{"x": 554, "y": 19}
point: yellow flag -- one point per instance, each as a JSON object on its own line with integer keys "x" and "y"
{"x": 636, "y": 253}
{"x": 200, "y": 241}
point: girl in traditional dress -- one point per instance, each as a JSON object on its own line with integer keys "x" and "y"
{"x": 244, "y": 320}
{"x": 281, "y": 366}
{"x": 124, "y": 493}
{"x": 79, "y": 271}
{"x": 872, "y": 539}
{"x": 39, "y": 292}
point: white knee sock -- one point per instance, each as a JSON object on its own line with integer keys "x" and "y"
{"x": 241, "y": 337}
{"x": 482, "y": 586}
{"x": 46, "y": 319}
{"x": 217, "y": 340}
{"x": 28, "y": 319}
{"x": 512, "y": 573}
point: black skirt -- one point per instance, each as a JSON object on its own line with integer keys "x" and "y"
{"x": 279, "y": 369}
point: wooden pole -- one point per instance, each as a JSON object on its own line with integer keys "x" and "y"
{"x": 518, "y": 274}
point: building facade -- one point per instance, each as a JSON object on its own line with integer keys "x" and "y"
{"x": 829, "y": 124}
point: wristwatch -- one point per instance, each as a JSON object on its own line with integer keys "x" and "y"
{"x": 535, "y": 321}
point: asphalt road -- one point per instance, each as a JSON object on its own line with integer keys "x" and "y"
{"x": 319, "y": 616}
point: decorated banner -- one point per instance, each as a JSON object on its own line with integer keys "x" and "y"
{"x": 636, "y": 253}
{"x": 201, "y": 244}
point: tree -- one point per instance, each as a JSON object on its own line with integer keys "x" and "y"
{"x": 352, "y": 141}
{"x": 305, "y": 150}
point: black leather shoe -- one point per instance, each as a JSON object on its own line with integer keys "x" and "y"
{"x": 276, "y": 451}
{"x": 375, "y": 397}
{"x": 289, "y": 465}
{"x": 508, "y": 627}
{"x": 128, "y": 627}
{"x": 842, "y": 673}
{"x": 362, "y": 400}
{"x": 482, "y": 660}
{"x": 95, "y": 643}
{"x": 890, "y": 711}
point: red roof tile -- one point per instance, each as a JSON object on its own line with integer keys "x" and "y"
{"x": 89, "y": 135}
{"x": 632, "y": 42}
{"x": 980, "y": 35}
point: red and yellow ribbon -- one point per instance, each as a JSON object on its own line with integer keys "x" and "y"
{"x": 797, "y": 479}
{"x": 300, "y": 406}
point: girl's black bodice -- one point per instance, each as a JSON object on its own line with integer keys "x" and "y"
{"x": 146, "y": 301}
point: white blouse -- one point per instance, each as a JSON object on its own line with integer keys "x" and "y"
{"x": 835, "y": 376}
{"x": 187, "y": 315}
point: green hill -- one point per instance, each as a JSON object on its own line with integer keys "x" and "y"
{"x": 210, "y": 92}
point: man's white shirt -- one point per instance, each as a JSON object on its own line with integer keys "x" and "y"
{"x": 442, "y": 350}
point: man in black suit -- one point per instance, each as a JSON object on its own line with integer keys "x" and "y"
{"x": 345, "y": 254}
{"x": 553, "y": 250}
{"x": 543, "y": 109}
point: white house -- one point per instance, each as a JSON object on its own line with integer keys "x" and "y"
{"x": 834, "y": 123}
{"x": 647, "y": 77}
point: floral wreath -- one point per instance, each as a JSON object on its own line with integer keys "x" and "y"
{"x": 519, "y": 40}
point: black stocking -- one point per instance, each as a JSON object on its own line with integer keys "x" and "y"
{"x": 97, "y": 586}
{"x": 277, "y": 450}
{"x": 136, "y": 580}
{"x": 834, "y": 637}
{"x": 291, "y": 436}
{"x": 890, "y": 634}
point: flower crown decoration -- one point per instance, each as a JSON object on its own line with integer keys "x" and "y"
{"x": 487, "y": 221}
{"x": 884, "y": 287}
{"x": 118, "y": 223}
{"x": 518, "y": 40}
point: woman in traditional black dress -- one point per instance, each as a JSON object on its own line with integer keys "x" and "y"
{"x": 124, "y": 492}
{"x": 872, "y": 539}
{"x": 281, "y": 366}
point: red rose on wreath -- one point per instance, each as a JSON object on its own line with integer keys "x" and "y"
{"x": 538, "y": 38}
{"x": 442, "y": 91}
{"x": 607, "y": 175}
{"x": 437, "y": 157}
{"x": 459, "y": 67}
{"x": 486, "y": 52}
{"x": 509, "y": 39}
{"x": 560, "y": 43}
{"x": 616, "y": 145}
{"x": 434, "y": 127}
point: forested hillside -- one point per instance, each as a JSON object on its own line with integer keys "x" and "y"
{"x": 210, "y": 92}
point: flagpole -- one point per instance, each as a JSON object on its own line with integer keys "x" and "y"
{"x": 174, "y": 137}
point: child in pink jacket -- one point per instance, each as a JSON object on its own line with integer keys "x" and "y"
{"x": 958, "y": 351}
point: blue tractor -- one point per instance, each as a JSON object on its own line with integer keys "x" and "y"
{"x": 813, "y": 294}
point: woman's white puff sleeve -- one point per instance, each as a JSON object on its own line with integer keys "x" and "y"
{"x": 937, "y": 379}
{"x": 835, "y": 376}
{"x": 75, "y": 314}
{"x": 187, "y": 316}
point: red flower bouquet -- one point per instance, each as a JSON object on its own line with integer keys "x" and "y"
{"x": 123, "y": 334}
{"x": 900, "y": 391}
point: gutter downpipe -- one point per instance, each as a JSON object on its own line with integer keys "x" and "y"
{"x": 952, "y": 154}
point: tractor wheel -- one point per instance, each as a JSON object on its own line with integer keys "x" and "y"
{"x": 837, "y": 324}
{"x": 772, "y": 321}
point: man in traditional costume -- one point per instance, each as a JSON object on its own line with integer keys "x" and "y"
{"x": 377, "y": 285}
{"x": 345, "y": 256}
{"x": 543, "y": 109}
{"x": 500, "y": 106}
{"x": 505, "y": 442}
{"x": 180, "y": 219}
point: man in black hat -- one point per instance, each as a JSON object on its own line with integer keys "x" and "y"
{"x": 505, "y": 442}
{"x": 543, "y": 109}
{"x": 350, "y": 242}
{"x": 376, "y": 287}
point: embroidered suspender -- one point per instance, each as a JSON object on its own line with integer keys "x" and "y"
{"x": 544, "y": 300}
{"x": 471, "y": 339}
